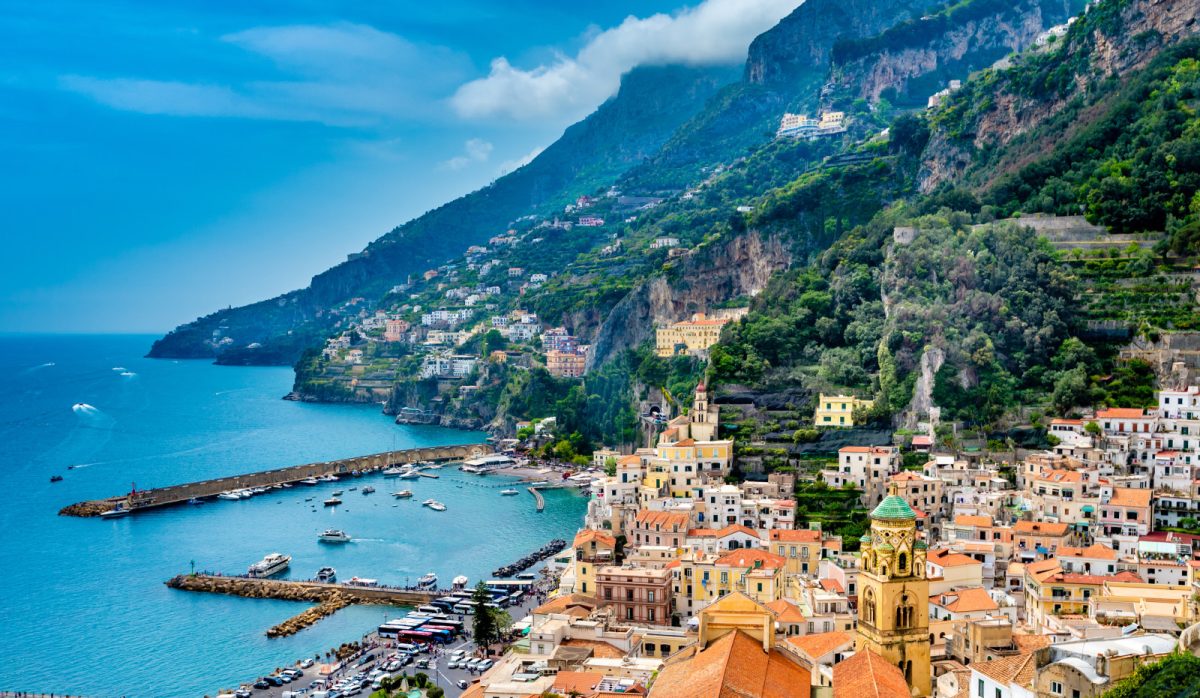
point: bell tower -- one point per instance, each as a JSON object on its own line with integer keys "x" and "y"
{"x": 893, "y": 598}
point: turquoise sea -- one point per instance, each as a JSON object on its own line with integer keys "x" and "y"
{"x": 82, "y": 602}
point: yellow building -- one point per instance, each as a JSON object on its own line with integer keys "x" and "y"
{"x": 689, "y": 452}
{"x": 592, "y": 549}
{"x": 693, "y": 336}
{"x": 894, "y": 593}
{"x": 1049, "y": 591}
{"x": 838, "y": 410}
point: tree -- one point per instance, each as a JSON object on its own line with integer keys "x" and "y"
{"x": 484, "y": 626}
{"x": 493, "y": 341}
{"x": 1092, "y": 428}
{"x": 610, "y": 466}
{"x": 1070, "y": 389}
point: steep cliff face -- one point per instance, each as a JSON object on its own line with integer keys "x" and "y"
{"x": 739, "y": 267}
{"x": 803, "y": 40}
{"x": 1112, "y": 39}
{"x": 913, "y": 60}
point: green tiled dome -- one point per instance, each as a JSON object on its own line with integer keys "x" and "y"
{"x": 893, "y": 507}
{"x": 920, "y": 545}
{"x": 884, "y": 547}
{"x": 865, "y": 539}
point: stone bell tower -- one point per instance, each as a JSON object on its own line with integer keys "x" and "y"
{"x": 893, "y": 598}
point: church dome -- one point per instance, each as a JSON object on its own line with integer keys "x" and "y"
{"x": 893, "y": 507}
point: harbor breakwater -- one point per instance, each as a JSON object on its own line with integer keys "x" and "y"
{"x": 330, "y": 598}
{"x": 178, "y": 494}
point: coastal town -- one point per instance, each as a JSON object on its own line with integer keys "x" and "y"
{"x": 1058, "y": 573}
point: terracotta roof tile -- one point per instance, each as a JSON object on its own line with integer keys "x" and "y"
{"x": 582, "y": 682}
{"x": 799, "y": 535}
{"x": 751, "y": 558}
{"x": 1040, "y": 528}
{"x": 1122, "y": 413}
{"x": 733, "y": 665}
{"x": 966, "y": 600}
{"x": 867, "y": 675}
{"x": 1006, "y": 669}
{"x": 968, "y": 520}
{"x": 818, "y": 645}
{"x": 588, "y": 535}
{"x": 1130, "y": 497}
{"x": 786, "y": 612}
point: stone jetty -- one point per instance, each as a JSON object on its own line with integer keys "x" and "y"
{"x": 330, "y": 598}
{"x": 139, "y": 500}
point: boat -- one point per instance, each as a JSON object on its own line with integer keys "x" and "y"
{"x": 403, "y": 494}
{"x": 409, "y": 475}
{"x": 337, "y": 493}
{"x": 392, "y": 471}
{"x": 509, "y": 493}
{"x": 368, "y": 489}
{"x": 259, "y": 490}
{"x": 327, "y": 575}
{"x": 362, "y": 582}
{"x": 427, "y": 502}
{"x": 427, "y": 581}
{"x": 56, "y": 478}
{"x": 332, "y": 502}
{"x": 309, "y": 481}
{"x": 328, "y": 478}
{"x": 270, "y": 565}
{"x": 115, "y": 513}
{"x": 460, "y": 581}
{"x": 229, "y": 496}
{"x": 437, "y": 506}
{"x": 195, "y": 502}
{"x": 333, "y": 535}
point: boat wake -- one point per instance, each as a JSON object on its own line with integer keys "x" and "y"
{"x": 119, "y": 369}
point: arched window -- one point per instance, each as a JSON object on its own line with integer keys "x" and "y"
{"x": 904, "y": 612}
{"x": 868, "y": 614}
{"x": 903, "y": 568}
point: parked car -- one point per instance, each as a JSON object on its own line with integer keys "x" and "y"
{"x": 462, "y": 683}
{"x": 261, "y": 684}
{"x": 306, "y": 662}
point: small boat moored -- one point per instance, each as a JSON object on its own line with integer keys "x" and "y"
{"x": 309, "y": 481}
{"x": 368, "y": 489}
{"x": 460, "y": 581}
{"x": 509, "y": 492}
{"x": 403, "y": 494}
{"x": 332, "y": 502}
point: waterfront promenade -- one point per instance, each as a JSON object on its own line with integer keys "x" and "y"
{"x": 140, "y": 500}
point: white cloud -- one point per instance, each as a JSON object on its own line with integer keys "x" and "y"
{"x": 511, "y": 165}
{"x": 474, "y": 150}
{"x": 713, "y": 32}
{"x": 340, "y": 74}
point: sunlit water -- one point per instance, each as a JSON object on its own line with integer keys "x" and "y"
{"x": 82, "y": 601}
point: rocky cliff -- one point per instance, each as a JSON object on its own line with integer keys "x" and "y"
{"x": 911, "y": 61}
{"x": 699, "y": 280}
{"x": 1112, "y": 39}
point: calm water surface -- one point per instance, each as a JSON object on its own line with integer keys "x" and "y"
{"x": 82, "y": 602}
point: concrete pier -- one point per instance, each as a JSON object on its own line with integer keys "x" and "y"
{"x": 537, "y": 496}
{"x": 140, "y": 500}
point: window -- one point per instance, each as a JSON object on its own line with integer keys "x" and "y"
{"x": 629, "y": 614}
{"x": 649, "y": 649}
{"x": 650, "y": 614}
{"x": 980, "y": 691}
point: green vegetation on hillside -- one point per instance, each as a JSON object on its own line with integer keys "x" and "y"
{"x": 1177, "y": 676}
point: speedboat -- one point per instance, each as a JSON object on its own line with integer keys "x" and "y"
{"x": 403, "y": 494}
{"x": 328, "y": 478}
{"x": 114, "y": 513}
{"x": 427, "y": 581}
{"x": 332, "y": 502}
{"x": 333, "y": 535}
{"x": 229, "y": 495}
{"x": 509, "y": 493}
{"x": 427, "y": 502}
{"x": 337, "y": 493}
{"x": 368, "y": 489}
{"x": 270, "y": 565}
{"x": 56, "y": 478}
{"x": 327, "y": 575}
{"x": 437, "y": 506}
{"x": 460, "y": 581}
{"x": 309, "y": 481}
{"x": 409, "y": 475}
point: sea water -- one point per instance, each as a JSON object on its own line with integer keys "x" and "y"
{"x": 82, "y": 602}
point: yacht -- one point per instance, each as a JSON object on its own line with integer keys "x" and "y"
{"x": 333, "y": 535}
{"x": 410, "y": 474}
{"x": 309, "y": 481}
{"x": 427, "y": 581}
{"x": 368, "y": 489}
{"x": 509, "y": 493}
{"x": 403, "y": 494}
{"x": 393, "y": 471}
{"x": 270, "y": 565}
{"x": 327, "y": 575}
{"x": 460, "y": 581}
{"x": 332, "y": 502}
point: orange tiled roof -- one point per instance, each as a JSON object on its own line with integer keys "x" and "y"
{"x": 867, "y": 675}
{"x": 1122, "y": 413}
{"x": 965, "y": 600}
{"x": 1040, "y": 528}
{"x": 1129, "y": 497}
{"x": 685, "y": 442}
{"x": 734, "y": 665}
{"x": 832, "y": 585}
{"x": 1094, "y": 551}
{"x": 587, "y": 535}
{"x": 946, "y": 558}
{"x": 604, "y": 650}
{"x": 854, "y": 449}
{"x": 662, "y": 519}
{"x": 799, "y": 535}
{"x": 1019, "y": 668}
{"x": 1062, "y": 476}
{"x": 969, "y": 520}
{"x": 560, "y": 604}
{"x": 786, "y": 612}
{"x": 820, "y": 644}
{"x": 906, "y": 476}
{"x": 751, "y": 558}
{"x": 630, "y": 460}
{"x": 581, "y": 682}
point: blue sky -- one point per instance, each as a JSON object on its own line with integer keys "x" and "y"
{"x": 160, "y": 160}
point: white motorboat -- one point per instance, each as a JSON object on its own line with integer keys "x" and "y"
{"x": 333, "y": 535}
{"x": 409, "y": 474}
{"x": 427, "y": 581}
{"x": 270, "y": 565}
{"x": 368, "y": 489}
{"x": 437, "y": 506}
{"x": 114, "y": 513}
{"x": 509, "y": 493}
{"x": 460, "y": 581}
{"x": 229, "y": 495}
{"x": 393, "y": 471}
{"x": 328, "y": 478}
{"x": 427, "y": 502}
{"x": 327, "y": 575}
{"x": 403, "y": 494}
{"x": 309, "y": 481}
{"x": 332, "y": 502}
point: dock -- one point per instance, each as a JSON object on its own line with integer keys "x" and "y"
{"x": 329, "y": 597}
{"x": 141, "y": 500}
{"x": 537, "y": 496}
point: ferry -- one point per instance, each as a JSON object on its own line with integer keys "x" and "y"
{"x": 403, "y": 494}
{"x": 333, "y": 535}
{"x": 332, "y": 502}
{"x": 509, "y": 493}
{"x": 327, "y": 575}
{"x": 270, "y": 565}
{"x": 309, "y": 481}
{"x": 427, "y": 581}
